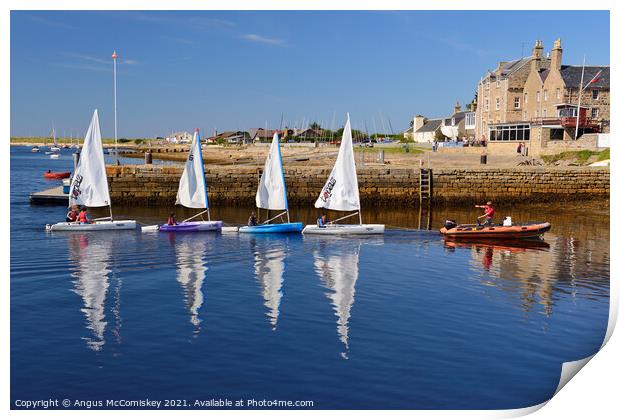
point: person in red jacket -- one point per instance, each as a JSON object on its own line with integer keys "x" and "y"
{"x": 489, "y": 212}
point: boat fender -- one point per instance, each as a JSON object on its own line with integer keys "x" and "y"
{"x": 450, "y": 224}
{"x": 507, "y": 221}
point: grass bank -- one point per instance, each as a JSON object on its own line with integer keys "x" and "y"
{"x": 580, "y": 157}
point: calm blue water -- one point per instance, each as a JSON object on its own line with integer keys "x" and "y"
{"x": 402, "y": 321}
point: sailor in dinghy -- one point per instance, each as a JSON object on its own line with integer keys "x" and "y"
{"x": 341, "y": 193}
{"x": 192, "y": 193}
{"x": 89, "y": 186}
{"x": 271, "y": 195}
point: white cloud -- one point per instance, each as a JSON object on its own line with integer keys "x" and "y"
{"x": 262, "y": 39}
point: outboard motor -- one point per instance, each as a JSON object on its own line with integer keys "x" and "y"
{"x": 450, "y": 224}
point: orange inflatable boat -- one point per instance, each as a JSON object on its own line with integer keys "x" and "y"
{"x": 498, "y": 232}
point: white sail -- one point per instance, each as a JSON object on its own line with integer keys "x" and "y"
{"x": 271, "y": 192}
{"x": 340, "y": 191}
{"x": 89, "y": 186}
{"x": 269, "y": 270}
{"x": 192, "y": 191}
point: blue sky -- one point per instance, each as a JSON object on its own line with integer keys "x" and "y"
{"x": 179, "y": 70}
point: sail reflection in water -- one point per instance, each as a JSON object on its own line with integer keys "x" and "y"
{"x": 90, "y": 254}
{"x": 338, "y": 269}
{"x": 190, "y": 253}
{"x": 269, "y": 270}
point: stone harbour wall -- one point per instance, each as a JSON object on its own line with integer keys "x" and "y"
{"x": 156, "y": 185}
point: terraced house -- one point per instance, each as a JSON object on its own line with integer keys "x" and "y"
{"x": 534, "y": 100}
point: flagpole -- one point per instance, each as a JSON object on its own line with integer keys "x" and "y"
{"x": 115, "y": 129}
{"x": 583, "y": 67}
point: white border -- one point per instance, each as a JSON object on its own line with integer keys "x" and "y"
{"x": 593, "y": 395}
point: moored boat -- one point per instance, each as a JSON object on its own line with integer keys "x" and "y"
{"x": 515, "y": 231}
{"x": 35, "y": 149}
{"x": 200, "y": 226}
{"x": 56, "y": 175}
{"x": 341, "y": 193}
{"x": 192, "y": 193}
{"x": 274, "y": 228}
{"x": 271, "y": 195}
{"x": 89, "y": 186}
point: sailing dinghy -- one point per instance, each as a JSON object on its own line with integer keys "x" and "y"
{"x": 271, "y": 194}
{"x": 341, "y": 193}
{"x": 192, "y": 193}
{"x": 54, "y": 148}
{"x": 89, "y": 186}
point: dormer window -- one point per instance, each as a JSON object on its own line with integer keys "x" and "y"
{"x": 453, "y": 121}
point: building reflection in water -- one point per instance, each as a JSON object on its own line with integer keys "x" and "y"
{"x": 269, "y": 271}
{"x": 336, "y": 262}
{"x": 190, "y": 252}
{"x": 535, "y": 270}
{"x": 90, "y": 255}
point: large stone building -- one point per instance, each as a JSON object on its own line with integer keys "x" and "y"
{"x": 534, "y": 100}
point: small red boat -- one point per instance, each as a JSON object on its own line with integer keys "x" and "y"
{"x": 517, "y": 231}
{"x": 56, "y": 175}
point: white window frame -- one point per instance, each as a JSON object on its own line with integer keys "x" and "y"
{"x": 517, "y": 102}
{"x": 545, "y": 95}
{"x": 525, "y": 98}
{"x": 497, "y": 104}
{"x": 497, "y": 83}
{"x": 595, "y": 97}
{"x": 595, "y": 112}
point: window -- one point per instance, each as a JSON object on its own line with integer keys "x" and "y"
{"x": 545, "y": 95}
{"x": 537, "y": 96}
{"x": 505, "y": 132}
{"x": 556, "y": 134}
{"x": 496, "y": 103}
{"x": 525, "y": 98}
{"x": 517, "y": 102}
{"x": 470, "y": 119}
{"x": 594, "y": 112}
{"x": 557, "y": 93}
{"x": 545, "y": 113}
{"x": 486, "y": 104}
{"x": 595, "y": 94}
{"x": 497, "y": 82}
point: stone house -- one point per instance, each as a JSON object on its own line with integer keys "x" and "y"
{"x": 460, "y": 125}
{"x": 500, "y": 91}
{"x": 542, "y": 108}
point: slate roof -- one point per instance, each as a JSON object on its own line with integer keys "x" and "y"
{"x": 429, "y": 126}
{"x": 510, "y": 67}
{"x": 458, "y": 116}
{"x": 572, "y": 76}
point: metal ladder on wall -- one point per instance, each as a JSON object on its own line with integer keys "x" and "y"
{"x": 426, "y": 193}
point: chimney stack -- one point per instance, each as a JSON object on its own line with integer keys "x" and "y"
{"x": 418, "y": 121}
{"x": 537, "y": 54}
{"x": 457, "y": 107}
{"x": 556, "y": 55}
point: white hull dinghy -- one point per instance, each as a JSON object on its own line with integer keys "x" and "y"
{"x": 99, "y": 225}
{"x": 192, "y": 193}
{"x": 336, "y": 229}
{"x": 271, "y": 195}
{"x": 89, "y": 186}
{"x": 341, "y": 193}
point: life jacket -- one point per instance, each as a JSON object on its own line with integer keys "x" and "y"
{"x": 72, "y": 215}
{"x": 82, "y": 217}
